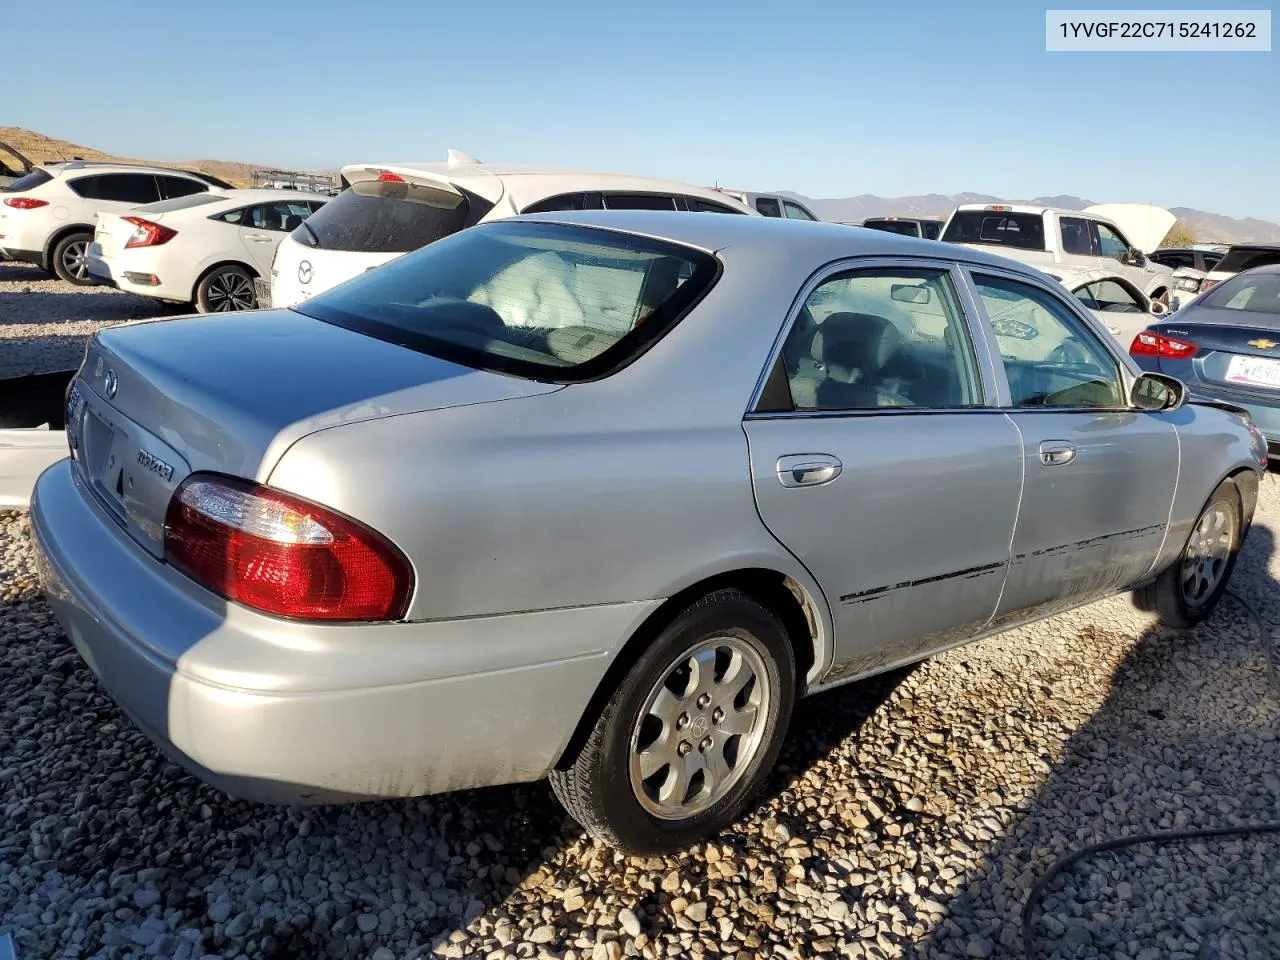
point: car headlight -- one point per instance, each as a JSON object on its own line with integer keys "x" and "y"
{"x": 1188, "y": 284}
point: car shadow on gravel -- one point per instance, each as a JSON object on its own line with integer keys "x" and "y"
{"x": 1188, "y": 738}
{"x": 11, "y": 272}
{"x": 90, "y": 303}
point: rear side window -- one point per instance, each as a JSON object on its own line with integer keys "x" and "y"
{"x": 135, "y": 188}
{"x": 930, "y": 229}
{"x": 540, "y": 300}
{"x": 183, "y": 203}
{"x": 1075, "y": 236}
{"x": 565, "y": 201}
{"x": 36, "y": 178}
{"x": 768, "y": 206}
{"x": 639, "y": 201}
{"x": 1256, "y": 293}
{"x": 698, "y": 205}
{"x": 1246, "y": 258}
{"x": 173, "y": 187}
{"x": 376, "y": 217}
{"x": 1025, "y": 231}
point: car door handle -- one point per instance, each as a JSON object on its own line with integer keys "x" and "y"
{"x": 808, "y": 469}
{"x": 1054, "y": 453}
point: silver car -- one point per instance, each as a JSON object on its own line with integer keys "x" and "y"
{"x": 596, "y": 496}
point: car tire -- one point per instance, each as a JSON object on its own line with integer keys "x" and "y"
{"x": 1191, "y": 587}
{"x": 722, "y": 732}
{"x": 69, "y": 259}
{"x": 226, "y": 289}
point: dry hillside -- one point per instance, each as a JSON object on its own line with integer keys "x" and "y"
{"x": 39, "y": 148}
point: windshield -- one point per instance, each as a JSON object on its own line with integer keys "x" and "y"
{"x": 1022, "y": 230}
{"x": 541, "y": 300}
{"x": 380, "y": 217}
{"x": 1252, "y": 292}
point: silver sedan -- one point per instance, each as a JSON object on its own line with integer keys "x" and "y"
{"x": 596, "y": 497}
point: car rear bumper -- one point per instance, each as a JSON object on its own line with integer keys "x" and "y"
{"x": 292, "y": 713}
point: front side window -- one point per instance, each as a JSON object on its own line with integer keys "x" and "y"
{"x": 1110, "y": 242}
{"x": 769, "y": 207}
{"x": 930, "y": 229}
{"x": 135, "y": 188}
{"x": 1051, "y": 358}
{"x": 1075, "y": 236}
{"x": 795, "y": 212}
{"x": 1024, "y": 231}
{"x": 541, "y": 300}
{"x": 884, "y": 338}
{"x": 1254, "y": 292}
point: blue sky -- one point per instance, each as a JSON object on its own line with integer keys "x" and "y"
{"x": 829, "y": 99}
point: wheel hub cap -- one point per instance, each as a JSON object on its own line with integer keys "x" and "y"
{"x": 701, "y": 727}
{"x": 1207, "y": 554}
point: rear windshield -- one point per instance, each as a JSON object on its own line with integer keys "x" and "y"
{"x": 905, "y": 227}
{"x": 33, "y": 179}
{"x": 540, "y": 300}
{"x": 1253, "y": 292}
{"x": 1246, "y": 258}
{"x": 375, "y": 217}
{"x": 1022, "y": 230}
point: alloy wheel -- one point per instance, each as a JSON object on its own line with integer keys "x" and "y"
{"x": 230, "y": 291}
{"x": 75, "y": 259}
{"x": 701, "y": 727}
{"x": 1207, "y": 554}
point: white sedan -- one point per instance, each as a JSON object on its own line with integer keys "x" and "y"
{"x": 205, "y": 249}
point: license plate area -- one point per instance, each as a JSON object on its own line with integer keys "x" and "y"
{"x": 1254, "y": 371}
{"x": 103, "y": 445}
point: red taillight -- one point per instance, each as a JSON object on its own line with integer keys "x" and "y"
{"x": 147, "y": 234}
{"x": 25, "y": 203}
{"x": 283, "y": 555}
{"x": 386, "y": 176}
{"x": 1151, "y": 344}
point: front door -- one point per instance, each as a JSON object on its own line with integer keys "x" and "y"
{"x": 1099, "y": 475}
{"x": 876, "y": 462}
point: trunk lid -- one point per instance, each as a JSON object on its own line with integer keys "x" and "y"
{"x": 111, "y": 233}
{"x": 1240, "y": 352}
{"x": 158, "y": 400}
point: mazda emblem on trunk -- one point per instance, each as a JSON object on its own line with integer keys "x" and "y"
{"x": 304, "y": 271}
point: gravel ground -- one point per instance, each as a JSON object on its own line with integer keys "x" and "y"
{"x": 44, "y": 321}
{"x": 909, "y": 817}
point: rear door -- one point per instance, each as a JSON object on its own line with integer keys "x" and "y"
{"x": 264, "y": 225}
{"x": 113, "y": 192}
{"x": 1099, "y": 475}
{"x": 876, "y": 461}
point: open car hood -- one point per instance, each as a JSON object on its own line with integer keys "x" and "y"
{"x": 1144, "y": 224}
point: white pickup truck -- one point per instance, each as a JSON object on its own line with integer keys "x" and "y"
{"x": 1111, "y": 235}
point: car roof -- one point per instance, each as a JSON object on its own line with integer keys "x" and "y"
{"x": 263, "y": 195}
{"x": 483, "y": 178}
{"x": 113, "y": 166}
{"x": 803, "y": 240}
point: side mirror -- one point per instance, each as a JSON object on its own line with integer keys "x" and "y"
{"x": 1155, "y": 391}
{"x": 1136, "y": 258}
{"x": 1159, "y": 309}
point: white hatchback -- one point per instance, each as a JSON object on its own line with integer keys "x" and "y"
{"x": 386, "y": 210}
{"x": 206, "y": 249}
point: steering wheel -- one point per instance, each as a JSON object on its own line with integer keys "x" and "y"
{"x": 1071, "y": 354}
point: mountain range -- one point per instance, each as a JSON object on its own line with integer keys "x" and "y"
{"x": 1208, "y": 227}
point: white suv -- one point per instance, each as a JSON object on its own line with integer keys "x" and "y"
{"x": 48, "y": 216}
{"x": 385, "y": 210}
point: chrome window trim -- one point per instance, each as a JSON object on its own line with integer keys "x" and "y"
{"x": 984, "y": 362}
